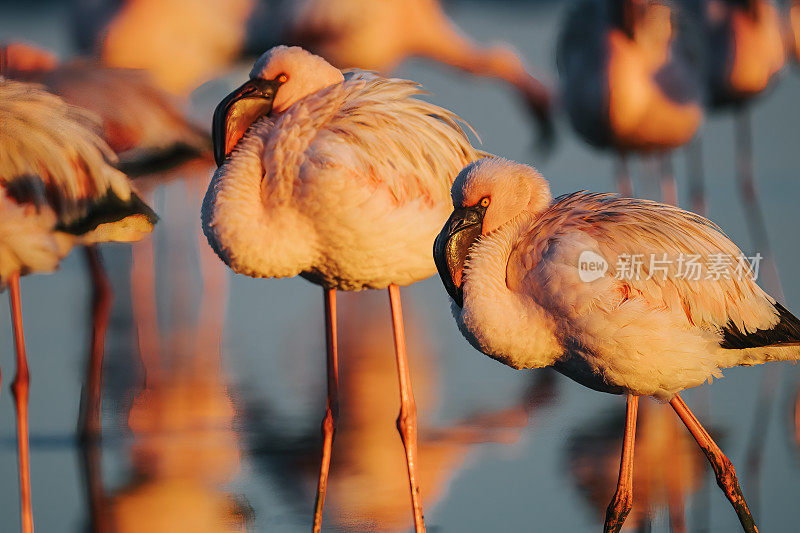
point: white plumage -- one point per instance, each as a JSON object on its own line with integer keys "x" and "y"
{"x": 347, "y": 186}
{"x": 511, "y": 258}
{"x": 526, "y": 304}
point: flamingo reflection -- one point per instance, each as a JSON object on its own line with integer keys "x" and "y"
{"x": 368, "y": 484}
{"x": 667, "y": 465}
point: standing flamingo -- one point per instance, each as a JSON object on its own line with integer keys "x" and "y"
{"x": 341, "y": 179}
{"x": 516, "y": 264}
{"x": 628, "y": 83}
{"x": 57, "y": 189}
{"x": 380, "y": 35}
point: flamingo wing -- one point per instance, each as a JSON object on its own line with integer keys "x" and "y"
{"x": 375, "y": 130}
{"x": 648, "y": 249}
{"x": 50, "y": 154}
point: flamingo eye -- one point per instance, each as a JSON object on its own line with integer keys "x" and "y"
{"x": 282, "y": 78}
{"x": 485, "y": 201}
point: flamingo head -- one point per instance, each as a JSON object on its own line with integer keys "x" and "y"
{"x": 487, "y": 194}
{"x": 280, "y": 77}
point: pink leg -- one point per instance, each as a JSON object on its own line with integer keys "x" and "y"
{"x": 622, "y": 502}
{"x": 407, "y": 421}
{"x": 624, "y": 183}
{"x": 20, "y": 390}
{"x": 101, "y": 309}
{"x": 332, "y": 407}
{"x": 669, "y": 188}
{"x": 726, "y": 475}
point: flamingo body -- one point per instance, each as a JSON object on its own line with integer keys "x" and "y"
{"x": 745, "y": 48}
{"x": 628, "y": 89}
{"x": 182, "y": 43}
{"x": 525, "y": 304}
{"x": 346, "y": 186}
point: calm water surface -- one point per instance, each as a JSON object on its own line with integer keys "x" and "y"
{"x": 222, "y": 435}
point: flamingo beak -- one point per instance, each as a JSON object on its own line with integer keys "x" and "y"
{"x": 237, "y": 111}
{"x": 452, "y": 245}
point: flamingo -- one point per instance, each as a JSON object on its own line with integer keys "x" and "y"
{"x": 141, "y": 123}
{"x": 628, "y": 83}
{"x": 744, "y": 52}
{"x": 182, "y": 43}
{"x": 56, "y": 190}
{"x": 380, "y": 35}
{"x": 537, "y": 282}
{"x": 341, "y": 179}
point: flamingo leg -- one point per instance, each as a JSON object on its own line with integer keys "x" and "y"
{"x": 752, "y": 206}
{"x": 697, "y": 188}
{"x": 20, "y": 390}
{"x": 89, "y": 424}
{"x": 623, "y": 177}
{"x": 676, "y": 500}
{"x": 407, "y": 421}
{"x": 332, "y": 406}
{"x": 91, "y": 457}
{"x": 622, "y": 502}
{"x": 669, "y": 188}
{"x": 723, "y": 469}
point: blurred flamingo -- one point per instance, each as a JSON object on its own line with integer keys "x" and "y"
{"x": 182, "y": 43}
{"x": 511, "y": 259}
{"x": 743, "y": 52}
{"x": 379, "y": 36}
{"x": 666, "y": 466}
{"x": 206, "y": 37}
{"x": 306, "y": 155}
{"x": 628, "y": 83}
{"x": 57, "y": 190}
{"x": 141, "y": 123}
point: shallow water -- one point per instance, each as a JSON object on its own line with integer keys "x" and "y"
{"x": 230, "y": 436}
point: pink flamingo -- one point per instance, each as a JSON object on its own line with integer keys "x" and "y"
{"x": 56, "y": 190}
{"x": 306, "y": 155}
{"x": 516, "y": 264}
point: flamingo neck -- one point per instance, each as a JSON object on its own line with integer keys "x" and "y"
{"x": 438, "y": 39}
{"x": 498, "y": 317}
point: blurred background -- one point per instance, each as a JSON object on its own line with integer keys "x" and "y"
{"x": 214, "y": 384}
